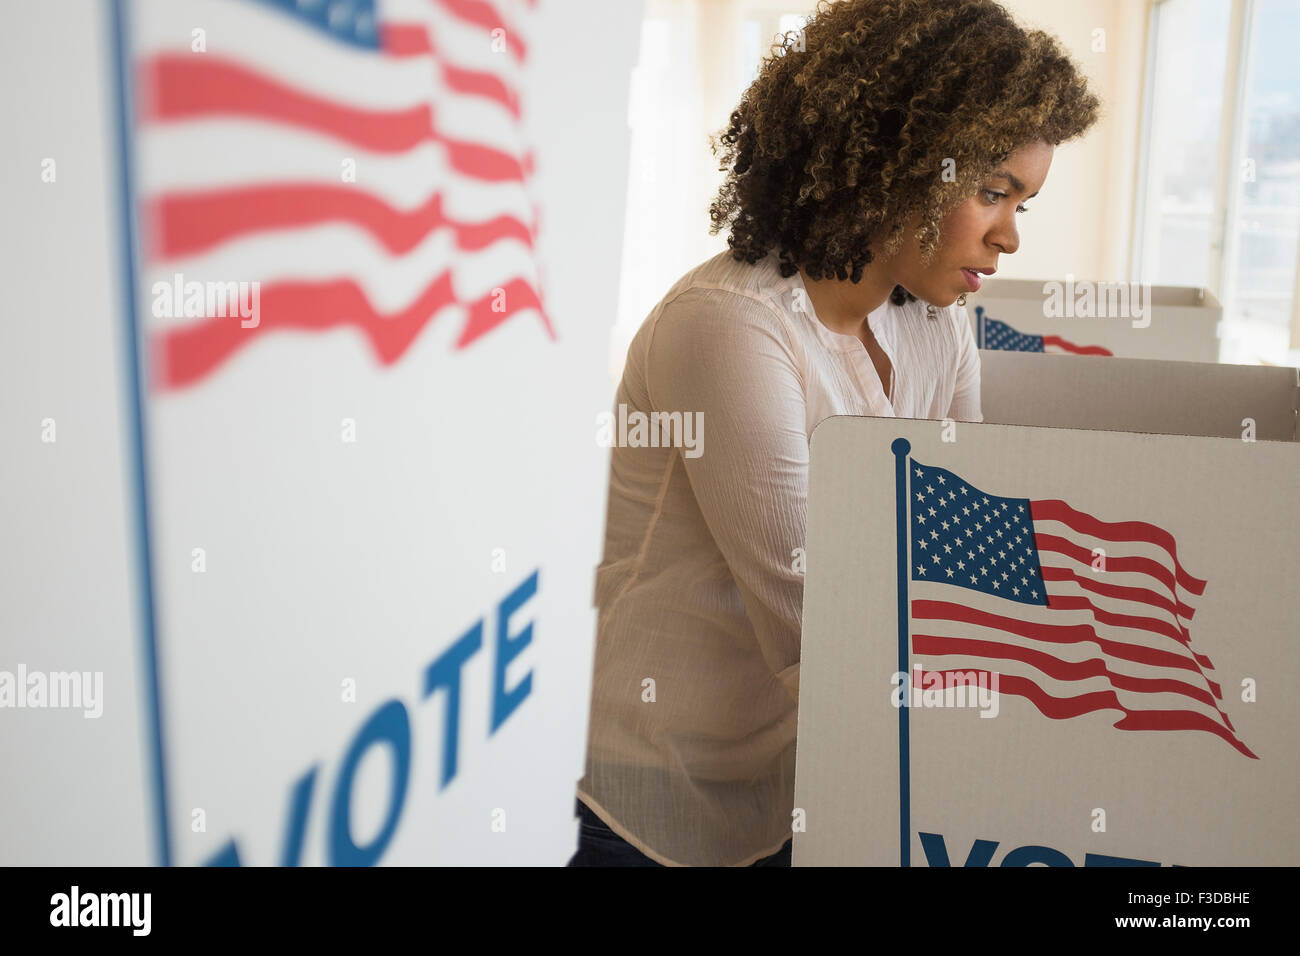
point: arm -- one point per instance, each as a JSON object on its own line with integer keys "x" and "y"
{"x": 966, "y": 396}
{"x": 730, "y": 358}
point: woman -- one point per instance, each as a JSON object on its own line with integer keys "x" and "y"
{"x": 876, "y": 170}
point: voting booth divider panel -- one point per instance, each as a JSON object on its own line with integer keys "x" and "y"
{"x": 1133, "y": 703}
{"x": 1139, "y": 395}
{"x": 1121, "y": 319}
{"x": 332, "y": 560}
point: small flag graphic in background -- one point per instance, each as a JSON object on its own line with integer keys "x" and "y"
{"x": 995, "y": 334}
{"x": 245, "y": 146}
{"x": 1118, "y": 635}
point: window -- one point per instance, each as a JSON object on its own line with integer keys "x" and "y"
{"x": 1260, "y": 279}
{"x": 764, "y": 21}
{"x": 1222, "y": 166}
{"x": 684, "y": 86}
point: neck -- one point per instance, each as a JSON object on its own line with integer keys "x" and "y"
{"x": 843, "y": 306}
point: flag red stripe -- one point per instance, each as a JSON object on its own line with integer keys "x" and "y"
{"x": 1060, "y": 634}
{"x": 475, "y": 83}
{"x": 1072, "y": 602}
{"x": 182, "y": 86}
{"x": 185, "y": 87}
{"x": 485, "y": 15}
{"x": 1076, "y": 349}
{"x": 517, "y": 295}
{"x": 1120, "y": 592}
{"x": 189, "y": 353}
{"x": 413, "y": 40}
{"x": 1059, "y": 708}
{"x": 1179, "y": 720}
{"x": 1055, "y": 510}
{"x": 1058, "y": 669}
{"x": 484, "y": 162}
{"x": 189, "y": 223}
{"x": 1135, "y": 563}
{"x": 405, "y": 39}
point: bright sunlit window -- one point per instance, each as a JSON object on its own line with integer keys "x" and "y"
{"x": 1222, "y": 166}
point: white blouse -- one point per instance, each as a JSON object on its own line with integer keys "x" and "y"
{"x": 691, "y": 745}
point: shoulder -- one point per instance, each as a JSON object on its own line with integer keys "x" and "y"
{"x": 725, "y": 300}
{"x": 717, "y": 331}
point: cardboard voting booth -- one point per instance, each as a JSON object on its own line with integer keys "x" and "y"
{"x": 1139, "y": 395}
{"x": 325, "y": 540}
{"x": 1048, "y": 646}
{"x": 1121, "y": 319}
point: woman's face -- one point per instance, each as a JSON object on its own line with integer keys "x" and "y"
{"x": 976, "y": 232}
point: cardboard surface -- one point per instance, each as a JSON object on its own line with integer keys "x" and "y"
{"x": 1138, "y": 395}
{"x": 1178, "y": 323}
{"x": 1021, "y": 779}
{"x": 74, "y": 788}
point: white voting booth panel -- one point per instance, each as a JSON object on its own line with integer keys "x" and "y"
{"x": 74, "y": 788}
{"x": 1139, "y": 395}
{"x": 1177, "y": 323}
{"x": 1094, "y": 633}
{"x": 359, "y": 629}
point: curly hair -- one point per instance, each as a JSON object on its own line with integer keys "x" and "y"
{"x": 880, "y": 110}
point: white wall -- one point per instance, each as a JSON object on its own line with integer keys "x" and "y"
{"x": 1082, "y": 222}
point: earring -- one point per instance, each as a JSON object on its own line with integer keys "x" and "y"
{"x": 961, "y": 299}
{"x": 930, "y": 312}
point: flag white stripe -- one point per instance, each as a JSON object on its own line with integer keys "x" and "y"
{"x": 259, "y": 154}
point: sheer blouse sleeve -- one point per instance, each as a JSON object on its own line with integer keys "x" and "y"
{"x": 732, "y": 359}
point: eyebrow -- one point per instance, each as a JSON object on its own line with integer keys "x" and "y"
{"x": 1016, "y": 184}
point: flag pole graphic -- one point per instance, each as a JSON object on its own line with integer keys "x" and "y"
{"x": 900, "y": 447}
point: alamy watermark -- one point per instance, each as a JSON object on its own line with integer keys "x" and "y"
{"x": 1098, "y": 300}
{"x": 57, "y": 689}
{"x": 197, "y": 300}
{"x": 130, "y": 910}
{"x": 946, "y": 689}
{"x": 637, "y": 429}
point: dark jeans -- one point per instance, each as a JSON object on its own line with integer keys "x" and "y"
{"x": 598, "y": 845}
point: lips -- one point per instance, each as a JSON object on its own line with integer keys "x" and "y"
{"x": 972, "y": 277}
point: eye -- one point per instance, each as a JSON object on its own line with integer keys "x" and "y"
{"x": 993, "y": 196}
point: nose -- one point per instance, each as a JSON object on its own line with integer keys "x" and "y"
{"x": 1004, "y": 236}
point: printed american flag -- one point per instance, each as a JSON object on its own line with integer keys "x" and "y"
{"x": 363, "y": 161}
{"x": 996, "y": 334}
{"x": 1071, "y": 639}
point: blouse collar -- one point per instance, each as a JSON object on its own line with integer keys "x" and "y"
{"x": 837, "y": 341}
